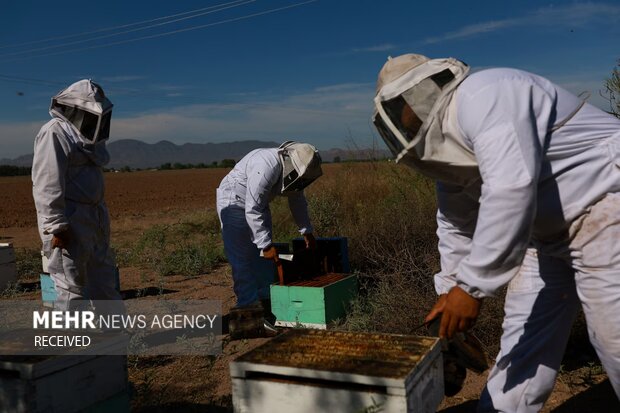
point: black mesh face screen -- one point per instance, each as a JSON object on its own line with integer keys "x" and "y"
{"x": 300, "y": 184}
{"x": 290, "y": 178}
{"x": 402, "y": 117}
{"x": 388, "y": 137}
{"x": 394, "y": 108}
{"x": 89, "y": 125}
{"x": 104, "y": 128}
{"x": 442, "y": 78}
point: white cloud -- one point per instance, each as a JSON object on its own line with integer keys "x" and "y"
{"x": 121, "y": 78}
{"x": 386, "y": 47}
{"x": 583, "y": 83}
{"x": 323, "y": 117}
{"x": 342, "y": 87}
{"x": 17, "y": 138}
{"x": 575, "y": 15}
{"x": 168, "y": 88}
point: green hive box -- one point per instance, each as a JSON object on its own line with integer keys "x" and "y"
{"x": 313, "y": 303}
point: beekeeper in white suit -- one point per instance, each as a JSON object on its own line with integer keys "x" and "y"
{"x": 528, "y": 181}
{"x": 68, "y": 186}
{"x": 243, "y": 199}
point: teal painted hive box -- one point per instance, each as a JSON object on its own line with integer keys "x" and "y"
{"x": 48, "y": 288}
{"x": 313, "y": 303}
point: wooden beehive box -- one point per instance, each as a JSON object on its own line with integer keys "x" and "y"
{"x": 313, "y": 303}
{"x": 318, "y": 287}
{"x": 8, "y": 270}
{"x": 76, "y": 383}
{"x": 309, "y": 371}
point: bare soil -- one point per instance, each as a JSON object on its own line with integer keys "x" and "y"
{"x": 139, "y": 200}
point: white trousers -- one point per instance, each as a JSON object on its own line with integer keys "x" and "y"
{"x": 252, "y": 275}
{"x": 86, "y": 269}
{"x": 542, "y": 302}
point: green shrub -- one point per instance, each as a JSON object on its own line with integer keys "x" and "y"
{"x": 192, "y": 259}
{"x": 28, "y": 263}
{"x": 189, "y": 247}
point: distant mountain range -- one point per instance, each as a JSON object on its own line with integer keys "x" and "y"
{"x": 138, "y": 154}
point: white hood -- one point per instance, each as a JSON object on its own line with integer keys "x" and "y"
{"x": 85, "y": 106}
{"x": 427, "y": 86}
{"x": 301, "y": 165}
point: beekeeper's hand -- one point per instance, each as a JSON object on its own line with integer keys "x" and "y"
{"x": 271, "y": 253}
{"x": 460, "y": 311}
{"x": 61, "y": 239}
{"x": 310, "y": 241}
{"x": 437, "y": 309}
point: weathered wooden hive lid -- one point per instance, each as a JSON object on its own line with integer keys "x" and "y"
{"x": 367, "y": 354}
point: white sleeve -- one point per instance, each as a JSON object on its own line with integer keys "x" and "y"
{"x": 49, "y": 167}
{"x": 456, "y": 219}
{"x": 506, "y": 123}
{"x": 262, "y": 176}
{"x": 299, "y": 209}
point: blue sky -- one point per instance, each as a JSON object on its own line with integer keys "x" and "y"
{"x": 274, "y": 69}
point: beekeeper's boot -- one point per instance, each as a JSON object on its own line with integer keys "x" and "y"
{"x": 249, "y": 322}
{"x": 269, "y": 316}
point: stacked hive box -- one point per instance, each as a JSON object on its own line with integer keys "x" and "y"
{"x": 315, "y": 300}
{"x": 33, "y": 384}
{"x": 309, "y": 371}
{"x": 78, "y": 381}
{"x": 313, "y": 303}
{"x": 8, "y": 270}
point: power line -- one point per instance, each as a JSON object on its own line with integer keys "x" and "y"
{"x": 28, "y": 81}
{"x": 116, "y": 27}
{"x": 170, "y": 32}
{"x": 57, "y": 46}
{"x": 41, "y": 82}
{"x": 202, "y": 100}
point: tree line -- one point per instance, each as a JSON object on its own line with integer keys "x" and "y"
{"x": 11, "y": 170}
{"x": 224, "y": 163}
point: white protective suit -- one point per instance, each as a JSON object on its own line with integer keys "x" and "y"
{"x": 68, "y": 187}
{"x": 243, "y": 199}
{"x": 543, "y": 216}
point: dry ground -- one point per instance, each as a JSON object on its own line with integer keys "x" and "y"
{"x": 139, "y": 200}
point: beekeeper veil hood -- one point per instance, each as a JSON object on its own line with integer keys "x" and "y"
{"x": 86, "y": 107}
{"x": 301, "y": 165}
{"x": 412, "y": 97}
